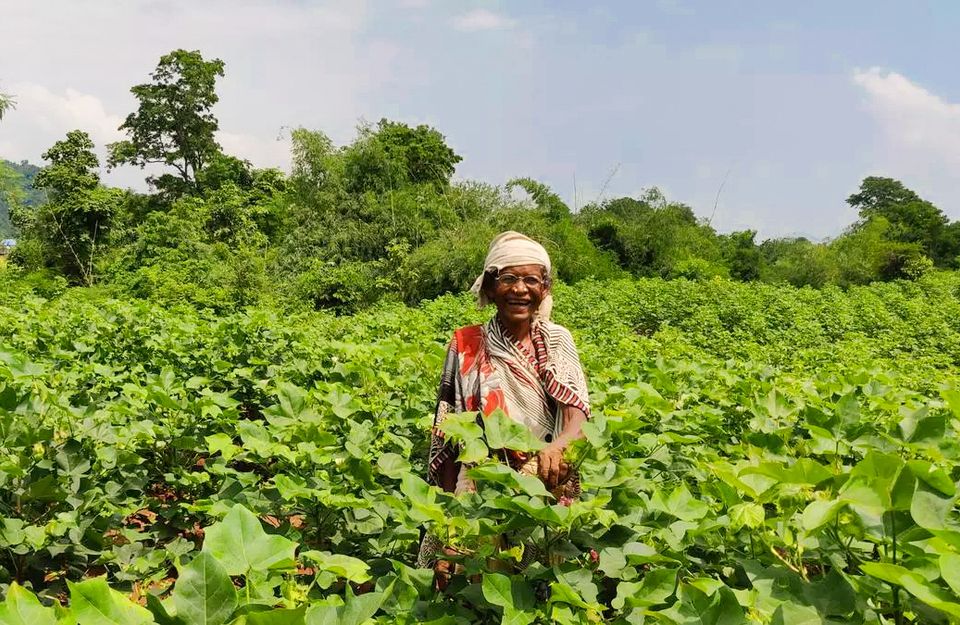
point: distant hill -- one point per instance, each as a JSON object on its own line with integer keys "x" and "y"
{"x": 26, "y": 172}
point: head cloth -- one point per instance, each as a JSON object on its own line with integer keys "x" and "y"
{"x": 510, "y": 249}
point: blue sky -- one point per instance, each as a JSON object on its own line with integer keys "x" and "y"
{"x": 791, "y": 104}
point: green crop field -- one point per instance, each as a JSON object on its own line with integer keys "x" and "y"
{"x": 757, "y": 454}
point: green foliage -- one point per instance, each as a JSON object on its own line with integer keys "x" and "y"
{"x": 173, "y": 124}
{"x": 394, "y": 155}
{"x": 7, "y": 103}
{"x": 654, "y": 237}
{"x": 16, "y": 190}
{"x": 910, "y": 219}
{"x": 63, "y": 233}
{"x": 755, "y": 452}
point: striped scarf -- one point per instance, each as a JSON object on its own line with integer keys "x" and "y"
{"x": 486, "y": 369}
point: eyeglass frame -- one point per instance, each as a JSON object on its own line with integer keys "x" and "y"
{"x": 542, "y": 281}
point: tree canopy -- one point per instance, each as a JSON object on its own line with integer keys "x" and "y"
{"x": 174, "y": 124}
{"x": 382, "y": 217}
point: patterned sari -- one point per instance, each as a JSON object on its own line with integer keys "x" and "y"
{"x": 486, "y": 369}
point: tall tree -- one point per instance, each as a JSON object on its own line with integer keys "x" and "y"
{"x": 911, "y": 219}
{"x": 174, "y": 124}
{"x": 79, "y": 210}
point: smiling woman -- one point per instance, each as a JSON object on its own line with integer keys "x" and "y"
{"x": 519, "y": 363}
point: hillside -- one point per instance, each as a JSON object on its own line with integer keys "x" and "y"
{"x": 21, "y": 175}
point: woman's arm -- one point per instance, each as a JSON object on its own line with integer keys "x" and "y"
{"x": 552, "y": 468}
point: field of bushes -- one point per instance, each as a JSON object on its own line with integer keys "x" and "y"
{"x": 757, "y": 454}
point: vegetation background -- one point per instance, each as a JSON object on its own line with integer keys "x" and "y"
{"x": 381, "y": 218}
{"x": 214, "y": 396}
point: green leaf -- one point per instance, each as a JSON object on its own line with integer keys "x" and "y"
{"x": 204, "y": 593}
{"x": 241, "y": 545}
{"x": 820, "y": 512}
{"x": 349, "y": 568}
{"x": 504, "y": 433}
{"x": 514, "y": 595}
{"x": 355, "y": 611}
{"x": 930, "y": 508}
{"x": 93, "y": 602}
{"x": 681, "y": 504}
{"x": 22, "y": 607}
{"x": 655, "y": 587}
{"x": 795, "y": 614}
{"x": 222, "y": 443}
{"x": 502, "y": 474}
{"x": 393, "y": 465}
{"x": 915, "y": 584}
{"x": 803, "y": 471}
{"x": 278, "y": 617}
{"x": 750, "y": 515}
{"x": 950, "y": 571}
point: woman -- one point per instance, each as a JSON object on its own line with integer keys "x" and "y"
{"x": 518, "y": 362}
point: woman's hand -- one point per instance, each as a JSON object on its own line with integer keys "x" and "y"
{"x": 552, "y": 468}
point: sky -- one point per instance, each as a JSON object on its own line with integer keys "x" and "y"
{"x": 760, "y": 115}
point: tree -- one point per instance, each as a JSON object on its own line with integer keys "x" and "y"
{"x": 6, "y": 103}
{"x": 543, "y": 196}
{"x": 174, "y": 124}
{"x": 394, "y": 155}
{"x": 742, "y": 255}
{"x": 878, "y": 194}
{"x": 910, "y": 218}
{"x": 64, "y": 231}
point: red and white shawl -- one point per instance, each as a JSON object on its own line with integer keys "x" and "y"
{"x": 486, "y": 370}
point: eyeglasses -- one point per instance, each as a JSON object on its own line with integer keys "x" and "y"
{"x": 531, "y": 282}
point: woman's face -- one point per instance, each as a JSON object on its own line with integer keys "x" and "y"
{"x": 518, "y": 302}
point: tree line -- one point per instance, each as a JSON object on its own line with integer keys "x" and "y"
{"x": 380, "y": 218}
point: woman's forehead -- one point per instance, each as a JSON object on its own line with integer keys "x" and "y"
{"x": 524, "y": 270}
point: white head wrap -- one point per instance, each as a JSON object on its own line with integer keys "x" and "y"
{"x": 509, "y": 249}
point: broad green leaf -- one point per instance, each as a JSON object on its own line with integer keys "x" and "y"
{"x": 681, "y": 504}
{"x": 915, "y": 584}
{"x": 653, "y": 589}
{"x": 204, "y": 593}
{"x": 932, "y": 476}
{"x": 93, "y": 602}
{"x": 514, "y": 595}
{"x": 223, "y": 444}
{"x": 422, "y": 499}
{"x": 952, "y": 399}
{"x": 820, "y": 512}
{"x": 393, "y": 465}
{"x": 502, "y": 432}
{"x": 697, "y": 607}
{"x": 502, "y": 474}
{"x": 749, "y": 515}
{"x": 507, "y": 592}
{"x": 803, "y": 471}
{"x": 795, "y": 614}
{"x": 950, "y": 571}
{"x": 930, "y": 508}
{"x": 355, "y": 611}
{"x": 241, "y": 545}
{"x": 22, "y": 607}
{"x": 349, "y": 568}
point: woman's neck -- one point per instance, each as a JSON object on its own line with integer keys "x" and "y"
{"x": 519, "y": 330}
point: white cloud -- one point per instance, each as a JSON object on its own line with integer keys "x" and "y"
{"x": 911, "y": 117}
{"x": 919, "y": 130}
{"x": 261, "y": 151}
{"x": 482, "y": 19}
{"x": 59, "y": 112}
